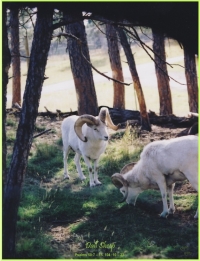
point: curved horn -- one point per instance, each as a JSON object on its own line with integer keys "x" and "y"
{"x": 82, "y": 120}
{"x": 194, "y": 129}
{"x": 119, "y": 182}
{"x": 127, "y": 167}
{"x": 104, "y": 116}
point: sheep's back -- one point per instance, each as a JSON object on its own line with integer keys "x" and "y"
{"x": 174, "y": 154}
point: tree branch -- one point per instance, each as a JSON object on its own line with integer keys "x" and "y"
{"x": 41, "y": 133}
{"x": 98, "y": 27}
{"x": 64, "y": 22}
{"x": 137, "y": 38}
{"x": 143, "y": 45}
{"x": 80, "y": 44}
{"x": 19, "y": 55}
{"x": 30, "y": 17}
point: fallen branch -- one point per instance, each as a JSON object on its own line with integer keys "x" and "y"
{"x": 120, "y": 116}
{"x": 41, "y": 133}
{"x": 58, "y": 113}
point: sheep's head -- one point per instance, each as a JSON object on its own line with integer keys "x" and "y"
{"x": 130, "y": 190}
{"x": 98, "y": 124}
{"x": 88, "y": 119}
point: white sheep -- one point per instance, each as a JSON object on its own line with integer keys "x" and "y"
{"x": 88, "y": 137}
{"x": 161, "y": 164}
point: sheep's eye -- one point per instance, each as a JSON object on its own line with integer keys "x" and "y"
{"x": 95, "y": 129}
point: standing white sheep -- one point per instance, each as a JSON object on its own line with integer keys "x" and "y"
{"x": 161, "y": 164}
{"x": 87, "y": 136}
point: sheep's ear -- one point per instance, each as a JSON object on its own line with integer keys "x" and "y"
{"x": 127, "y": 167}
{"x": 102, "y": 114}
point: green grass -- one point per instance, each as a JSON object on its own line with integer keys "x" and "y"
{"x": 40, "y": 166}
{"x": 133, "y": 231}
{"x": 11, "y": 137}
{"x": 68, "y": 219}
{"x": 11, "y": 121}
{"x": 39, "y": 128}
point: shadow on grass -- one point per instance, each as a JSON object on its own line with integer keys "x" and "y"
{"x": 103, "y": 227}
{"x": 73, "y": 220}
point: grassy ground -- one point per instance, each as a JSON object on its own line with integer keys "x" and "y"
{"x": 58, "y": 71}
{"x": 68, "y": 219}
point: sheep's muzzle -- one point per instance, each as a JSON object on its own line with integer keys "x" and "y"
{"x": 119, "y": 182}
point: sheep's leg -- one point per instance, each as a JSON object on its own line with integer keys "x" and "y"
{"x": 87, "y": 161}
{"x": 96, "y": 181}
{"x": 163, "y": 189}
{"x": 65, "y": 156}
{"x": 196, "y": 215}
{"x": 78, "y": 166}
{"x": 193, "y": 179}
{"x": 171, "y": 199}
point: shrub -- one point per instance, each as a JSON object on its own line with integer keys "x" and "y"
{"x": 46, "y": 161}
{"x": 10, "y": 122}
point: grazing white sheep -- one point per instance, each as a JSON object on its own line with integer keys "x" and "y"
{"x": 161, "y": 164}
{"x": 88, "y": 137}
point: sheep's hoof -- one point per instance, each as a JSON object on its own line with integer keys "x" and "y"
{"x": 164, "y": 215}
{"x": 171, "y": 211}
{"x": 82, "y": 178}
{"x": 66, "y": 177}
{"x": 97, "y": 183}
{"x": 196, "y": 216}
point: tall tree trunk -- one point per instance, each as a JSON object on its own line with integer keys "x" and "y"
{"x": 5, "y": 68}
{"x": 162, "y": 74}
{"x": 115, "y": 62}
{"x": 81, "y": 70}
{"x": 137, "y": 85}
{"x": 191, "y": 79}
{"x": 16, "y": 80}
{"x": 35, "y": 78}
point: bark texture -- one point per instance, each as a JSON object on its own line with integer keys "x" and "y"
{"x": 5, "y": 69}
{"x": 162, "y": 74}
{"x": 116, "y": 67}
{"x": 15, "y": 47}
{"x": 35, "y": 78}
{"x": 136, "y": 80}
{"x": 191, "y": 79}
{"x": 81, "y": 70}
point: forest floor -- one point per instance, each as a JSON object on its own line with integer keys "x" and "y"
{"x": 58, "y": 218}
{"x": 60, "y": 232}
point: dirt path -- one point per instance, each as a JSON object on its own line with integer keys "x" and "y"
{"x": 146, "y": 73}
